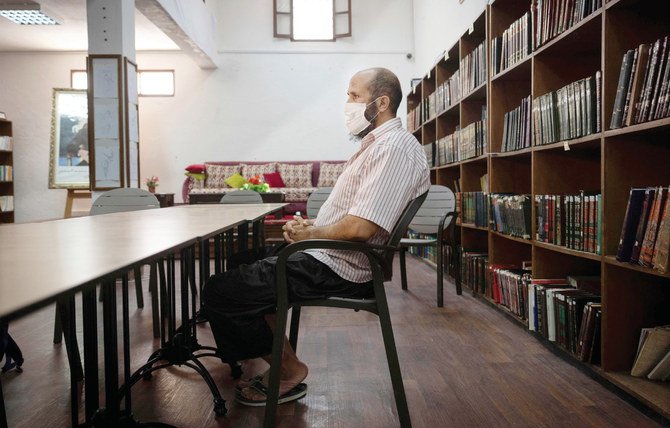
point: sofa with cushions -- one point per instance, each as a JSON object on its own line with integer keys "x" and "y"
{"x": 295, "y": 179}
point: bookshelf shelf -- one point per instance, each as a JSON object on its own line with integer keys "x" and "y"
{"x": 569, "y": 251}
{"x": 613, "y": 261}
{"x": 477, "y": 94}
{"x": 570, "y": 39}
{"x": 518, "y": 71}
{"x": 473, "y": 227}
{"x": 607, "y": 162}
{"x": 641, "y": 128}
{"x": 512, "y": 238}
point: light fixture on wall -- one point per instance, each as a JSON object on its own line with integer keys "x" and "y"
{"x": 27, "y": 13}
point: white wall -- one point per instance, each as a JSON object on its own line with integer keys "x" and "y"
{"x": 438, "y": 24}
{"x": 268, "y": 100}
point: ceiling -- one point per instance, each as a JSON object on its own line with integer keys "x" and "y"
{"x": 72, "y": 34}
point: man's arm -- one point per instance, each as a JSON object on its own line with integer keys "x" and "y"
{"x": 350, "y": 228}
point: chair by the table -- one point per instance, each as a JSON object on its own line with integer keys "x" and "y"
{"x": 434, "y": 216}
{"x": 242, "y": 197}
{"x": 381, "y": 262}
{"x": 316, "y": 200}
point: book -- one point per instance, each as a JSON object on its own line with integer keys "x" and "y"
{"x": 638, "y": 80}
{"x": 642, "y": 225}
{"x": 594, "y": 347}
{"x": 662, "y": 370}
{"x": 585, "y": 342}
{"x": 662, "y": 245}
{"x": 622, "y": 89}
{"x": 647, "y": 250}
{"x": 630, "y": 224}
{"x": 654, "y": 347}
{"x": 590, "y": 283}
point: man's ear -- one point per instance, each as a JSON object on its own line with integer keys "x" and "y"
{"x": 384, "y": 103}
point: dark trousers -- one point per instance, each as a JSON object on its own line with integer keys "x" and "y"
{"x": 236, "y": 301}
{"x": 8, "y": 347}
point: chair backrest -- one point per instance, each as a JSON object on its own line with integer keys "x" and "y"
{"x": 399, "y": 231}
{"x": 316, "y": 200}
{"x": 124, "y": 199}
{"x": 242, "y": 197}
{"x": 438, "y": 203}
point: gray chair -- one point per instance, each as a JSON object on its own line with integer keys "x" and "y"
{"x": 124, "y": 199}
{"x": 242, "y": 197}
{"x": 316, "y": 200}
{"x": 381, "y": 262}
{"x": 434, "y": 216}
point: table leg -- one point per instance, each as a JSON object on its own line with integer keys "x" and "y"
{"x": 68, "y": 321}
{"x": 256, "y": 234}
{"x": 111, "y": 351}
{"x": 126, "y": 345}
{"x": 3, "y": 414}
{"x": 90, "y": 323}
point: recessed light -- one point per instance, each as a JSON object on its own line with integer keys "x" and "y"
{"x": 27, "y": 13}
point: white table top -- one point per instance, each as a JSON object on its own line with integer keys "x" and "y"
{"x": 40, "y": 261}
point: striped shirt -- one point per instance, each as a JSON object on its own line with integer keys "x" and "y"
{"x": 377, "y": 183}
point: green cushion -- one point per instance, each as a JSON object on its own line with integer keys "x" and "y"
{"x": 235, "y": 181}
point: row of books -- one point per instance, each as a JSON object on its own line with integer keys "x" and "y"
{"x": 653, "y": 354}
{"x": 509, "y": 288}
{"x": 418, "y": 115}
{"x": 645, "y": 234}
{"x": 572, "y": 221}
{"x": 643, "y": 90}
{"x": 427, "y": 252}
{"x": 474, "y": 271}
{"x": 472, "y": 140}
{"x": 6, "y": 143}
{"x": 473, "y": 69}
{"x": 6, "y": 173}
{"x": 516, "y": 127}
{"x": 448, "y": 93}
{"x": 567, "y": 311}
{"x": 6, "y": 203}
{"x": 572, "y": 111}
{"x": 511, "y": 214}
{"x": 552, "y": 17}
{"x": 512, "y": 46}
{"x": 474, "y": 208}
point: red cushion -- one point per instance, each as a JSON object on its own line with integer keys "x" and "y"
{"x": 196, "y": 168}
{"x": 274, "y": 179}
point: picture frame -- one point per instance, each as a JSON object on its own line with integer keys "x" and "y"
{"x": 69, "y": 149}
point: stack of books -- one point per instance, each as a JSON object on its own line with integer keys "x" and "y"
{"x": 653, "y": 354}
{"x": 645, "y": 234}
{"x": 552, "y": 17}
{"x": 572, "y": 111}
{"x": 516, "y": 127}
{"x": 513, "y": 46}
{"x": 474, "y": 208}
{"x": 511, "y": 214}
{"x": 643, "y": 90}
{"x": 473, "y": 69}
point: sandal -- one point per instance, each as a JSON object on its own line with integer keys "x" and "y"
{"x": 298, "y": 391}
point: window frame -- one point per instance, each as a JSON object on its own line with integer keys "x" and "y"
{"x": 276, "y": 14}
{"x": 139, "y": 93}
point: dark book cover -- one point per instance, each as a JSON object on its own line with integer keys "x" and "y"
{"x": 647, "y": 250}
{"x": 589, "y": 331}
{"x": 622, "y": 89}
{"x": 648, "y": 83}
{"x": 630, "y": 224}
{"x": 563, "y": 326}
{"x": 642, "y": 225}
{"x": 662, "y": 246}
{"x": 575, "y": 311}
{"x": 629, "y": 87}
{"x": 595, "y": 352}
{"x": 655, "y": 91}
{"x": 638, "y": 81}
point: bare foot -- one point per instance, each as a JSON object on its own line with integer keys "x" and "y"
{"x": 289, "y": 380}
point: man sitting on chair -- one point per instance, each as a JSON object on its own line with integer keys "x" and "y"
{"x": 387, "y": 172}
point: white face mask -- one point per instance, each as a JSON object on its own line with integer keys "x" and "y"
{"x": 354, "y": 115}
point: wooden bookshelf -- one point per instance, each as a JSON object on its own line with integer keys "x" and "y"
{"x": 607, "y": 161}
{"x": 6, "y": 158}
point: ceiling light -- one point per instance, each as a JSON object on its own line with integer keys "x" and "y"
{"x": 27, "y": 13}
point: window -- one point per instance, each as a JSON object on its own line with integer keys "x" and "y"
{"x": 150, "y": 83}
{"x": 312, "y": 20}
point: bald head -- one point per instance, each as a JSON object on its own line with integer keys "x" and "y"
{"x": 383, "y": 82}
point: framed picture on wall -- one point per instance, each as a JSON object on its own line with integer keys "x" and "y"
{"x": 69, "y": 154}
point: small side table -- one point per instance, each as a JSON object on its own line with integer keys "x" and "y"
{"x": 165, "y": 199}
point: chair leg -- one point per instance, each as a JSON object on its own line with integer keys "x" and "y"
{"x": 457, "y": 270}
{"x": 440, "y": 273}
{"x": 295, "y": 327}
{"x": 403, "y": 268}
{"x": 393, "y": 363}
{"x": 275, "y": 368}
{"x": 138, "y": 287}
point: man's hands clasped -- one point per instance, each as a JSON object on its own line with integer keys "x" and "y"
{"x": 298, "y": 229}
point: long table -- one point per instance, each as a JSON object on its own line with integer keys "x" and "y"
{"x": 77, "y": 254}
